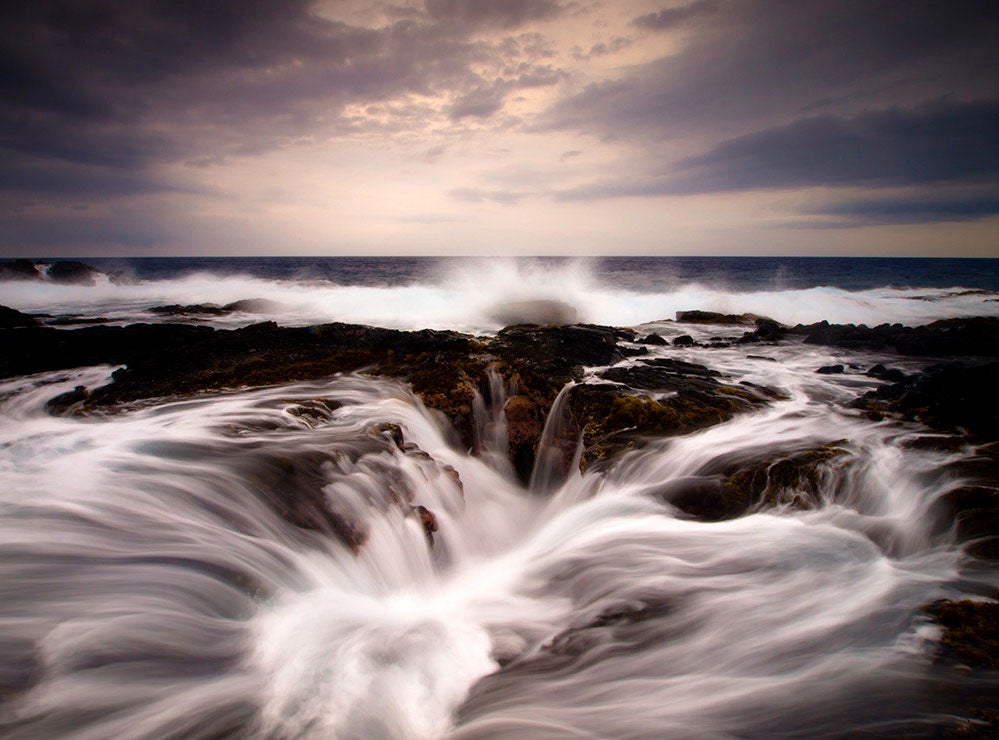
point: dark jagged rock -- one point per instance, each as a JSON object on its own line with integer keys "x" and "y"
{"x": 653, "y": 339}
{"x": 19, "y": 270}
{"x": 892, "y": 375}
{"x": 539, "y": 362}
{"x": 610, "y": 418}
{"x": 71, "y": 272}
{"x": 252, "y": 305}
{"x": 831, "y": 370}
{"x": 702, "y": 497}
{"x": 767, "y": 330}
{"x": 634, "y": 351}
{"x": 75, "y": 320}
{"x": 948, "y": 397}
{"x": 11, "y": 318}
{"x": 194, "y": 309}
{"x": 65, "y": 402}
{"x": 974, "y": 510}
{"x": 684, "y": 340}
{"x": 977, "y": 336}
{"x": 731, "y": 487}
{"x": 246, "y": 305}
{"x": 711, "y": 317}
{"x": 445, "y": 369}
{"x": 428, "y": 521}
{"x": 971, "y": 632}
{"x": 663, "y": 374}
{"x": 544, "y": 359}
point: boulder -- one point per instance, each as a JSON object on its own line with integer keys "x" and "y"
{"x": 19, "y": 270}
{"x": 711, "y": 317}
{"x": 949, "y": 397}
{"x": 978, "y": 336}
{"x": 71, "y": 272}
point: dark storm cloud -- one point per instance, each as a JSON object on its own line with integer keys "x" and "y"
{"x": 756, "y": 64}
{"x": 131, "y": 85}
{"x": 910, "y": 210}
{"x": 40, "y": 231}
{"x": 938, "y": 142}
{"x": 68, "y": 178}
{"x": 808, "y": 93}
{"x": 669, "y": 18}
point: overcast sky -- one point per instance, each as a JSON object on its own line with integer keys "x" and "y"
{"x": 816, "y": 127}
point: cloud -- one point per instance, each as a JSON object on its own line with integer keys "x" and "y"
{"x": 139, "y": 84}
{"x": 910, "y": 210}
{"x": 603, "y": 48}
{"x": 669, "y": 18}
{"x": 480, "y": 102}
{"x": 936, "y": 142}
{"x": 504, "y": 14}
{"x": 477, "y": 195}
{"x": 753, "y": 65}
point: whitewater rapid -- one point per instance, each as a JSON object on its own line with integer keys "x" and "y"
{"x": 151, "y": 589}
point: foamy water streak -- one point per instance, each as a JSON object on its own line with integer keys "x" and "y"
{"x": 150, "y": 589}
{"x": 477, "y": 296}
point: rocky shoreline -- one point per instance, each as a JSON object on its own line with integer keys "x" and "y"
{"x": 617, "y": 407}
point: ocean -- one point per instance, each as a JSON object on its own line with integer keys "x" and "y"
{"x": 463, "y": 293}
{"x": 159, "y": 579}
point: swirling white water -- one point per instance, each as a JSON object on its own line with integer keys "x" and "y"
{"x": 471, "y": 296}
{"x": 150, "y": 589}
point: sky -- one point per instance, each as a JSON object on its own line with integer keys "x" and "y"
{"x": 770, "y": 127}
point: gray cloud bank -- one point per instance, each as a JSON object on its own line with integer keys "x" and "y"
{"x": 751, "y": 94}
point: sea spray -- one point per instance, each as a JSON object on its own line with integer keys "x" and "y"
{"x": 469, "y": 295}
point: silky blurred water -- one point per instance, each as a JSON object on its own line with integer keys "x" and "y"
{"x": 166, "y": 570}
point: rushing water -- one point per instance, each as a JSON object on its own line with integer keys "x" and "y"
{"x": 150, "y": 589}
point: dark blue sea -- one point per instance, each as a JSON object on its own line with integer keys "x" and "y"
{"x": 633, "y": 273}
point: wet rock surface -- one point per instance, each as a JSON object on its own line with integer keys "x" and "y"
{"x": 12, "y": 319}
{"x": 659, "y": 396}
{"x": 977, "y": 336}
{"x": 66, "y": 272}
{"x": 950, "y": 397}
